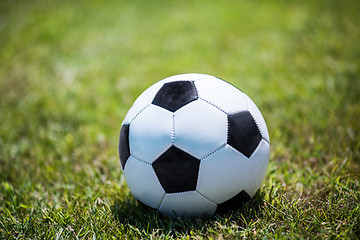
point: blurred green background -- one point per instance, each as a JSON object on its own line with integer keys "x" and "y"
{"x": 70, "y": 70}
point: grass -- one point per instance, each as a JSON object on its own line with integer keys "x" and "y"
{"x": 70, "y": 70}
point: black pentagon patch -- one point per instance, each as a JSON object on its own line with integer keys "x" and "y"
{"x": 233, "y": 203}
{"x": 174, "y": 95}
{"x": 243, "y": 133}
{"x": 177, "y": 170}
{"x": 124, "y": 149}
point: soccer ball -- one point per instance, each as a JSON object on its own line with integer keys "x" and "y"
{"x": 193, "y": 144}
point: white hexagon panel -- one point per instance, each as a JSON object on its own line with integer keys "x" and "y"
{"x": 199, "y": 128}
{"x": 220, "y": 174}
{"x": 150, "y": 133}
{"x": 143, "y": 182}
{"x": 258, "y": 163}
{"x": 186, "y": 204}
{"x": 221, "y": 94}
{"x": 227, "y": 172}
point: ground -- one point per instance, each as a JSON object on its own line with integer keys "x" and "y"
{"x": 70, "y": 70}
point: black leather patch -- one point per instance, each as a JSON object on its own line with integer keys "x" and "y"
{"x": 176, "y": 170}
{"x": 243, "y": 133}
{"x": 124, "y": 149}
{"x": 233, "y": 203}
{"x": 175, "y": 95}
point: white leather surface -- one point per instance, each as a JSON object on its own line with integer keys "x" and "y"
{"x": 255, "y": 112}
{"x": 189, "y": 204}
{"x": 143, "y": 183}
{"x": 150, "y": 133}
{"x": 227, "y": 172}
{"x": 260, "y": 161}
{"x": 220, "y": 174}
{"x": 142, "y": 101}
{"x": 186, "y": 76}
{"x": 200, "y": 128}
{"x": 221, "y": 94}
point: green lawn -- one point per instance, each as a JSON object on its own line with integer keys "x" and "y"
{"x": 70, "y": 70}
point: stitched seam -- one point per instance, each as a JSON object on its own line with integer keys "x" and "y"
{"x": 213, "y": 105}
{"x": 140, "y": 159}
{"x": 187, "y": 152}
{"x": 261, "y": 133}
{"x": 227, "y": 128}
{"x": 258, "y": 126}
{"x": 265, "y": 140}
{"x": 236, "y": 151}
{"x": 197, "y": 185}
{"x": 173, "y": 129}
{"x": 193, "y": 83}
{"x": 198, "y": 176}
{"x": 212, "y": 153}
{"x": 199, "y": 172}
{"x": 139, "y": 113}
{"x": 177, "y": 193}
{"x": 162, "y": 199}
{"x": 206, "y": 198}
{"x": 266, "y": 143}
{"x": 256, "y": 149}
